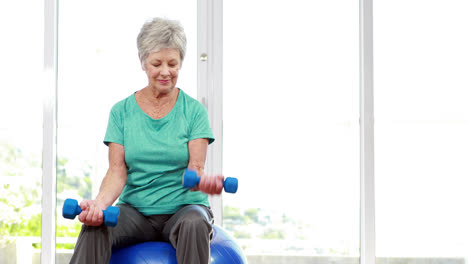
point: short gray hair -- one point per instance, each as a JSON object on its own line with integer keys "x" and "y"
{"x": 160, "y": 33}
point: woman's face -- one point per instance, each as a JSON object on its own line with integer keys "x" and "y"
{"x": 162, "y": 69}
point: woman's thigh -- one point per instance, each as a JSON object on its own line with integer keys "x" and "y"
{"x": 132, "y": 228}
{"x": 190, "y": 213}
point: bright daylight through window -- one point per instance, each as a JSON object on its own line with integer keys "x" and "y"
{"x": 21, "y": 87}
{"x": 291, "y": 132}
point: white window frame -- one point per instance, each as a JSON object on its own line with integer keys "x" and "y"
{"x": 210, "y": 86}
{"x": 367, "y": 192}
{"x": 49, "y": 148}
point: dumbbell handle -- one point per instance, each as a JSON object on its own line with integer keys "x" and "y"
{"x": 71, "y": 209}
{"x": 191, "y": 179}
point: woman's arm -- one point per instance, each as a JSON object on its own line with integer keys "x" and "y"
{"x": 116, "y": 177}
{"x": 111, "y": 187}
{"x": 197, "y": 157}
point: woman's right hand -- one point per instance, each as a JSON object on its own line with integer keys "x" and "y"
{"x": 211, "y": 184}
{"x": 91, "y": 214}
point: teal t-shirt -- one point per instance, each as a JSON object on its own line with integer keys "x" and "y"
{"x": 156, "y": 153}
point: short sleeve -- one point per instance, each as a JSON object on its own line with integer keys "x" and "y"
{"x": 200, "y": 125}
{"x": 115, "y": 127}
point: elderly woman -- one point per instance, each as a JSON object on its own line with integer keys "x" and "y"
{"x": 153, "y": 136}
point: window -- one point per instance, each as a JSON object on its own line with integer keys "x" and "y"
{"x": 21, "y": 83}
{"x": 291, "y": 131}
{"x": 291, "y": 122}
{"x": 421, "y": 128}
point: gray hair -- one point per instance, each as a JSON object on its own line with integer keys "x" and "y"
{"x": 160, "y": 33}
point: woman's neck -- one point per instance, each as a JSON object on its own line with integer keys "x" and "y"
{"x": 160, "y": 98}
{"x": 156, "y": 105}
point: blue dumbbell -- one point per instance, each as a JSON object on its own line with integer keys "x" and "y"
{"x": 191, "y": 179}
{"x": 71, "y": 209}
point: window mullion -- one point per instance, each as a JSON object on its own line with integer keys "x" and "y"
{"x": 210, "y": 90}
{"x": 367, "y": 219}
{"x": 49, "y": 155}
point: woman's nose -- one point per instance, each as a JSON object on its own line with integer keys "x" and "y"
{"x": 165, "y": 71}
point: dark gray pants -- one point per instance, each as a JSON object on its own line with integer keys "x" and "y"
{"x": 189, "y": 231}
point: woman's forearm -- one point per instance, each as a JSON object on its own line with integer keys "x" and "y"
{"x": 112, "y": 186}
{"x": 197, "y": 155}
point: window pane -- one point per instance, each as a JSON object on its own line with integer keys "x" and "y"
{"x": 99, "y": 66}
{"x": 421, "y": 129}
{"x": 291, "y": 132}
{"x": 21, "y": 87}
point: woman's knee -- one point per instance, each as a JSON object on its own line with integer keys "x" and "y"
{"x": 190, "y": 221}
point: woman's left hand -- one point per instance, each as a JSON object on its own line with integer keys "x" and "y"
{"x": 211, "y": 184}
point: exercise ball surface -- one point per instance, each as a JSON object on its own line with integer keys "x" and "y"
{"x": 145, "y": 253}
{"x": 223, "y": 251}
